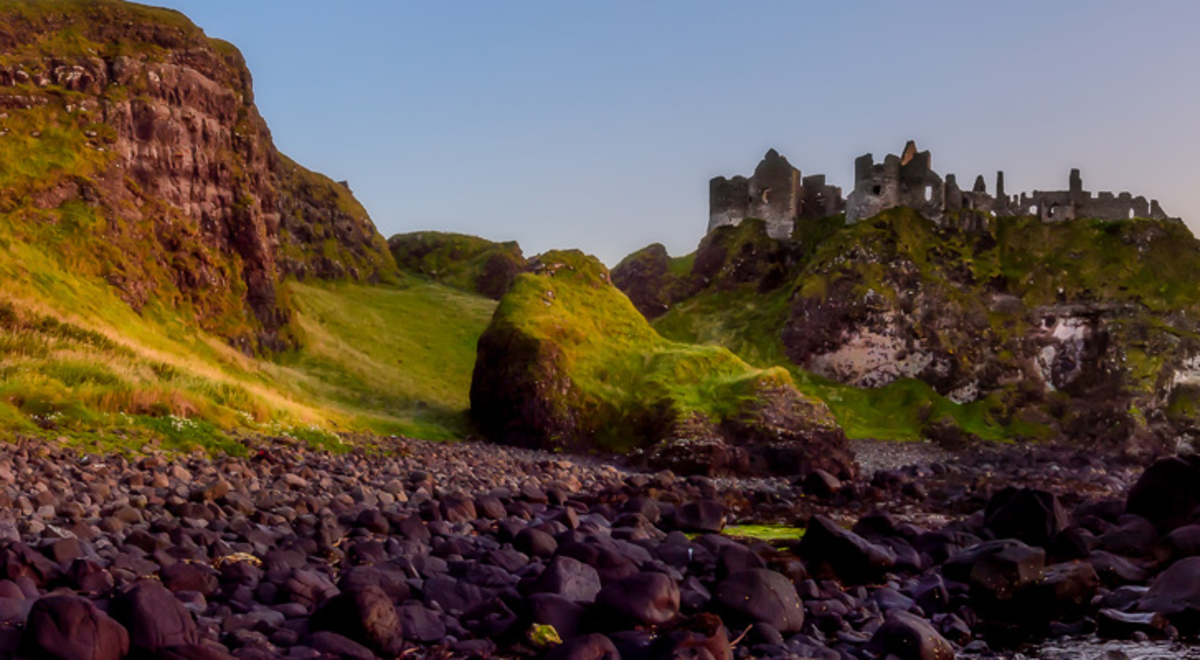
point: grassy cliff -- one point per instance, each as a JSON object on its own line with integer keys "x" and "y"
{"x": 1080, "y": 327}
{"x": 167, "y": 277}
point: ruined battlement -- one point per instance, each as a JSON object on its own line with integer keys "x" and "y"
{"x": 778, "y": 194}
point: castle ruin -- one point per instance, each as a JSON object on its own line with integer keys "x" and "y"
{"x": 776, "y": 193}
{"x": 779, "y": 195}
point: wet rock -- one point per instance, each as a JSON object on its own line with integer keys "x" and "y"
{"x": 908, "y": 637}
{"x": 1176, "y": 594}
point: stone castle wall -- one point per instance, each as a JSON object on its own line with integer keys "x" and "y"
{"x": 778, "y": 194}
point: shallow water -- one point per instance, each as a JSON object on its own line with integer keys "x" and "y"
{"x": 1094, "y": 648}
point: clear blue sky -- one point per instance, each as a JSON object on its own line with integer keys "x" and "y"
{"x": 597, "y": 125}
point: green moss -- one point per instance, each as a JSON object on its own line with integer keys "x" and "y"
{"x": 768, "y": 533}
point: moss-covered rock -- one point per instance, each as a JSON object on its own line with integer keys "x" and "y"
{"x": 1081, "y": 327}
{"x": 568, "y": 362}
{"x": 461, "y": 261}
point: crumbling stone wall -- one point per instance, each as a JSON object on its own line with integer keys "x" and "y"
{"x": 776, "y": 193}
{"x": 909, "y": 180}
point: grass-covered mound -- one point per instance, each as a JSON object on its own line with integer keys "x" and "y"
{"x": 465, "y": 262}
{"x": 567, "y": 361}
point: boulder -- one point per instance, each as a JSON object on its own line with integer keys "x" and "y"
{"x": 759, "y": 594}
{"x": 700, "y": 516}
{"x": 997, "y": 572}
{"x": 1032, "y": 516}
{"x": 569, "y": 578}
{"x": 365, "y": 615}
{"x": 66, "y": 627}
{"x": 1176, "y": 594}
{"x": 1168, "y": 493}
{"x": 587, "y": 647}
{"x": 153, "y": 616}
{"x": 828, "y": 547}
{"x": 644, "y": 598}
{"x": 905, "y": 636}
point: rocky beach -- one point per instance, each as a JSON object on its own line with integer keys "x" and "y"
{"x": 419, "y": 549}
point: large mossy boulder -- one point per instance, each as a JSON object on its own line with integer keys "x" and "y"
{"x": 464, "y": 262}
{"x": 569, "y": 362}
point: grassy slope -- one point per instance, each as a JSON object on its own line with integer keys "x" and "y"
{"x": 401, "y": 357}
{"x": 77, "y": 362}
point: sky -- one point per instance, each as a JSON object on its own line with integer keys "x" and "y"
{"x": 597, "y": 125}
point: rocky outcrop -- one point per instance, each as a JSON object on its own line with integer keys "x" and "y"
{"x": 464, "y": 262}
{"x": 142, "y": 121}
{"x": 1079, "y": 327}
{"x": 568, "y": 362}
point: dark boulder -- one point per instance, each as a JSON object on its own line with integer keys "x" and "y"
{"x": 333, "y": 645}
{"x": 153, "y": 616}
{"x": 587, "y": 647}
{"x": 569, "y": 578}
{"x": 1168, "y": 493}
{"x": 759, "y": 594}
{"x": 566, "y": 616}
{"x": 1032, "y": 516}
{"x": 997, "y": 571}
{"x": 700, "y": 516}
{"x": 905, "y": 636}
{"x": 66, "y": 627}
{"x": 643, "y": 598}
{"x": 1176, "y": 594}
{"x": 192, "y": 652}
{"x": 826, "y": 547}
{"x": 364, "y": 615}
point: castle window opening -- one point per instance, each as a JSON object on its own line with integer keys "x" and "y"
{"x": 928, "y": 193}
{"x": 877, "y": 190}
{"x": 1131, "y": 214}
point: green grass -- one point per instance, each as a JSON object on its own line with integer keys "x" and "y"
{"x": 399, "y": 356}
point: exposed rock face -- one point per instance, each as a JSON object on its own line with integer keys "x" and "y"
{"x": 167, "y": 147}
{"x": 1079, "y": 327}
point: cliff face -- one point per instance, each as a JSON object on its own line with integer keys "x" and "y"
{"x": 1084, "y": 328}
{"x": 132, "y": 117}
